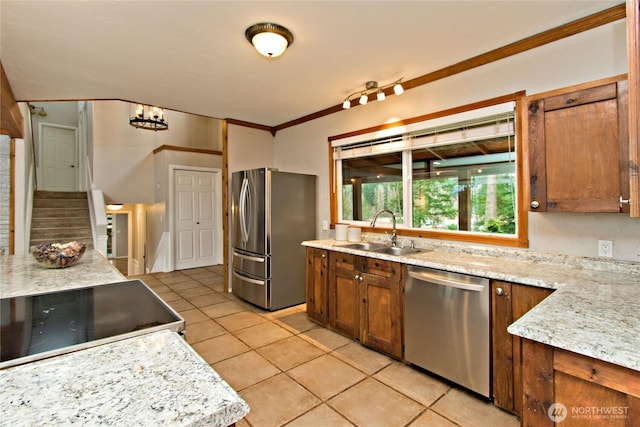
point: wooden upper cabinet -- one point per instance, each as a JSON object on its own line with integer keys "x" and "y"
{"x": 579, "y": 149}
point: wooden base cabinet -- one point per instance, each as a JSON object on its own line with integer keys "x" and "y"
{"x": 509, "y": 302}
{"x": 569, "y": 389}
{"x": 366, "y": 301}
{"x": 317, "y": 285}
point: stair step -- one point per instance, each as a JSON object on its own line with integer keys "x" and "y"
{"x": 59, "y": 222}
{"x": 60, "y": 203}
{"x": 60, "y": 217}
{"x": 59, "y": 233}
{"x": 60, "y": 213}
{"x": 59, "y": 195}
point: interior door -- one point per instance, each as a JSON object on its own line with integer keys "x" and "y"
{"x": 59, "y": 158}
{"x": 196, "y": 219}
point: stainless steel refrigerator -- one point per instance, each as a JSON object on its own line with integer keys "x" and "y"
{"x": 272, "y": 213}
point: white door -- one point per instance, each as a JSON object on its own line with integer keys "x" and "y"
{"x": 59, "y": 158}
{"x": 196, "y": 221}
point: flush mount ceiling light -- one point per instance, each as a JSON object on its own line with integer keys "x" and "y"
{"x": 114, "y": 207}
{"x": 371, "y": 87}
{"x": 148, "y": 117}
{"x": 269, "y": 39}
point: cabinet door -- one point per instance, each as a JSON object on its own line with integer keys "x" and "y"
{"x": 592, "y": 392}
{"x": 344, "y": 293}
{"x": 578, "y": 146}
{"x": 509, "y": 302}
{"x": 381, "y": 313}
{"x": 317, "y": 285}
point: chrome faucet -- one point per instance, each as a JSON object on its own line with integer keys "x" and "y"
{"x": 394, "y": 232}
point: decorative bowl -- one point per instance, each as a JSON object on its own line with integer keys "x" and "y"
{"x": 58, "y": 255}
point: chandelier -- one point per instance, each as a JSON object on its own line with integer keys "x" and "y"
{"x": 369, "y": 88}
{"x": 148, "y": 117}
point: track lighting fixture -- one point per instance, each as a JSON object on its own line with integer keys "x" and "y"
{"x": 371, "y": 87}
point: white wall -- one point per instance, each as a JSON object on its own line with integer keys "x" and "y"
{"x": 584, "y": 57}
{"x": 248, "y": 148}
{"x": 123, "y": 164}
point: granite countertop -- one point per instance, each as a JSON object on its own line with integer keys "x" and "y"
{"x": 595, "y": 310}
{"x": 154, "y": 379}
{"x": 21, "y": 275}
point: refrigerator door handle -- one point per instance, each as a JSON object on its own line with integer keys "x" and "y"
{"x": 247, "y": 279}
{"x": 243, "y": 209}
{"x": 248, "y": 257}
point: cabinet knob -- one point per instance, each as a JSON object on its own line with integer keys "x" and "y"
{"x": 624, "y": 201}
{"x": 324, "y": 255}
{"x": 535, "y": 204}
{"x": 356, "y": 277}
{"x": 499, "y": 291}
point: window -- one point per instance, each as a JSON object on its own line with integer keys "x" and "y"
{"x": 452, "y": 176}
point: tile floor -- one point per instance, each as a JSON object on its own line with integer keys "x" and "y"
{"x": 292, "y": 372}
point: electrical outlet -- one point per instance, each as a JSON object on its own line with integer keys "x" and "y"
{"x": 605, "y": 248}
{"x": 325, "y": 225}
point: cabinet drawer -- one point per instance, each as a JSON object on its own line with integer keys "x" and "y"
{"x": 342, "y": 261}
{"x": 380, "y": 267}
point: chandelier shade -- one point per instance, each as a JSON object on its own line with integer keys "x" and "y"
{"x": 270, "y": 40}
{"x": 149, "y": 117}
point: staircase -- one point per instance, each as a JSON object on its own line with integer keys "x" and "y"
{"x": 60, "y": 217}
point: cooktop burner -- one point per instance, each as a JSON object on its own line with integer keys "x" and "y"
{"x": 39, "y": 326}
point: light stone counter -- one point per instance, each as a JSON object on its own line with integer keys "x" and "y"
{"x": 155, "y": 379}
{"x": 595, "y": 310}
{"x": 21, "y": 275}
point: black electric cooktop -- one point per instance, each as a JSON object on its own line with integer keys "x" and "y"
{"x": 39, "y": 326}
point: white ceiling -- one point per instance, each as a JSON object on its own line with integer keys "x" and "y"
{"x": 192, "y": 56}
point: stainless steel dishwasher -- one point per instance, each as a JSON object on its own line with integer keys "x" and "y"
{"x": 447, "y": 326}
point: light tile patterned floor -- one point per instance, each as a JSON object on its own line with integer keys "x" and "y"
{"x": 293, "y": 372}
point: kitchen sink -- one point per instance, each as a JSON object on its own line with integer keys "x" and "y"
{"x": 365, "y": 246}
{"x": 395, "y": 250}
{"x": 381, "y": 248}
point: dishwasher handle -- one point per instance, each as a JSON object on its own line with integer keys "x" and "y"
{"x": 432, "y": 278}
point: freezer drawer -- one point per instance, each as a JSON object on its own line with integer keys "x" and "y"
{"x": 252, "y": 264}
{"x": 252, "y": 289}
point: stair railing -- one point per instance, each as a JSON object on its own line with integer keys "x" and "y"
{"x": 97, "y": 213}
